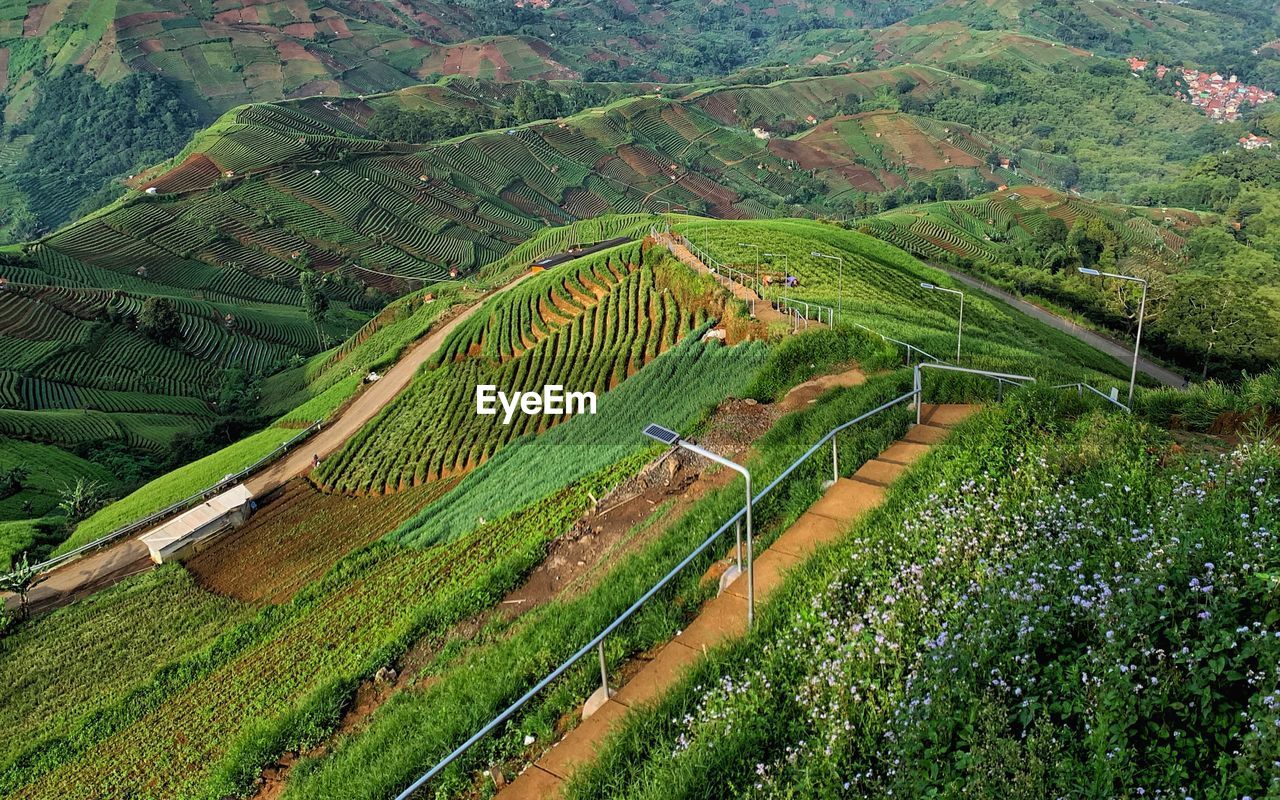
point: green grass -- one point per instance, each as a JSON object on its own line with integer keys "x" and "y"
{"x": 881, "y": 289}
{"x": 81, "y": 658}
{"x": 177, "y": 485}
{"x": 1026, "y": 616}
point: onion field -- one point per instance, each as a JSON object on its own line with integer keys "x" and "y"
{"x": 879, "y": 287}
{"x": 587, "y": 326}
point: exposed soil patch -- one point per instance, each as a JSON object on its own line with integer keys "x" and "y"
{"x": 296, "y": 536}
{"x": 619, "y": 523}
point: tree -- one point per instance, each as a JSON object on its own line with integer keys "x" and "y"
{"x": 159, "y": 320}
{"x": 315, "y": 301}
{"x": 1052, "y": 233}
{"x": 11, "y": 480}
{"x": 21, "y": 577}
{"x": 82, "y": 498}
{"x": 1218, "y": 317}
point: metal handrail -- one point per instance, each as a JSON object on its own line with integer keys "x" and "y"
{"x": 788, "y": 303}
{"x": 598, "y": 640}
{"x": 910, "y": 347}
{"x": 181, "y": 505}
{"x": 1001, "y": 378}
{"x": 1080, "y": 387}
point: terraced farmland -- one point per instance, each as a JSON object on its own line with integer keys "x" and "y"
{"x": 982, "y": 228}
{"x": 587, "y": 326}
{"x": 877, "y": 151}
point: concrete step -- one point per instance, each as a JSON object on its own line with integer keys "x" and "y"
{"x": 658, "y": 675}
{"x": 880, "y": 473}
{"x": 582, "y": 743}
{"x": 770, "y": 568}
{"x": 535, "y": 783}
{"x": 906, "y": 453}
{"x": 847, "y": 499}
{"x": 926, "y": 434}
{"x": 947, "y": 415}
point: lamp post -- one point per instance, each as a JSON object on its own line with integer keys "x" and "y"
{"x": 672, "y": 439}
{"x": 755, "y": 247}
{"x": 840, "y": 279}
{"x": 960, "y": 329}
{"x": 1142, "y": 312}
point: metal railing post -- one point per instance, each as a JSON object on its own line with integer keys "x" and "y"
{"x": 751, "y": 566}
{"x": 604, "y": 669}
{"x": 919, "y": 394}
{"x": 835, "y": 461}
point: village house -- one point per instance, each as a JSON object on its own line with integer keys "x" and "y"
{"x": 1254, "y": 142}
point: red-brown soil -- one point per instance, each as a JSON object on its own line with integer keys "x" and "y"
{"x": 296, "y": 536}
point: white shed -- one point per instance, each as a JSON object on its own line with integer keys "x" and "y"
{"x": 183, "y": 534}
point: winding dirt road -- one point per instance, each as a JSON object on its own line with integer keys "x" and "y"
{"x": 111, "y": 564}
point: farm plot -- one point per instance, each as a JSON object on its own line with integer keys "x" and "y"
{"x": 296, "y": 538}
{"x": 587, "y": 327}
{"x": 84, "y": 657}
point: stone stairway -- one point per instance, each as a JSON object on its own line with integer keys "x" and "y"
{"x": 725, "y": 617}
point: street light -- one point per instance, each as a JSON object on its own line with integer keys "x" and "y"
{"x": 840, "y": 290}
{"x": 1142, "y": 312}
{"x": 756, "y": 247}
{"x": 672, "y": 439}
{"x": 959, "y": 330}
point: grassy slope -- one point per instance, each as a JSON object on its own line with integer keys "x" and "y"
{"x": 1027, "y": 612}
{"x": 881, "y": 289}
{"x": 45, "y": 466}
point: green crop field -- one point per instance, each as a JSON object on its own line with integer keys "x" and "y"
{"x": 881, "y": 289}
{"x": 587, "y": 329}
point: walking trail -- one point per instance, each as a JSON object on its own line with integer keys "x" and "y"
{"x": 105, "y": 567}
{"x": 763, "y": 311}
{"x": 1122, "y": 352}
{"x": 725, "y": 618}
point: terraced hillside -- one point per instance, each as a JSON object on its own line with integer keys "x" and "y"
{"x": 77, "y": 370}
{"x": 587, "y": 329}
{"x": 441, "y": 552}
{"x": 984, "y": 228}
{"x": 881, "y": 150}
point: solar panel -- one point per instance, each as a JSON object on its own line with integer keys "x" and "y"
{"x": 661, "y": 434}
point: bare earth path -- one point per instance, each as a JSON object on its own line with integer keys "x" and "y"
{"x": 98, "y": 570}
{"x": 1122, "y": 352}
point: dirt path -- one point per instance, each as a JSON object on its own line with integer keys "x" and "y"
{"x": 763, "y": 311}
{"x": 103, "y": 568}
{"x": 1122, "y": 352}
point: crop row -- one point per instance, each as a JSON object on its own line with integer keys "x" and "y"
{"x": 577, "y": 336}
